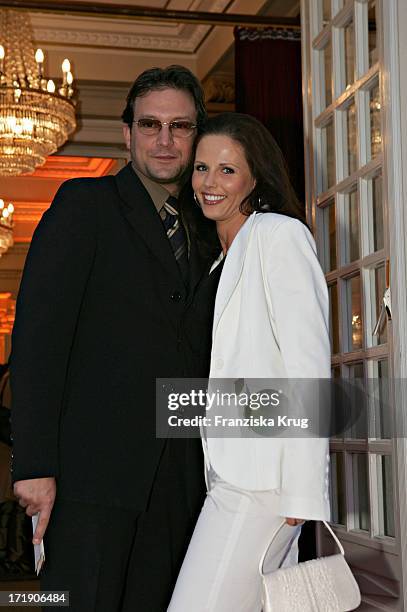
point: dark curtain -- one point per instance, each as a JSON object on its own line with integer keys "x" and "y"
{"x": 268, "y": 86}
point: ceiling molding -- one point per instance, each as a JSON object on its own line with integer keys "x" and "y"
{"x": 142, "y": 13}
{"x": 59, "y": 167}
{"x": 52, "y": 30}
{"x": 121, "y": 41}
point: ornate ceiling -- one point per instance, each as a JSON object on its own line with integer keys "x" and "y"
{"x": 107, "y": 54}
{"x": 115, "y": 49}
{"x": 123, "y": 34}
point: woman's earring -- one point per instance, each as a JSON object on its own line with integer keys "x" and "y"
{"x": 197, "y": 202}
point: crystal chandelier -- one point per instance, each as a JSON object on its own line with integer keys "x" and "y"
{"x": 35, "y": 119}
{"x": 6, "y": 226}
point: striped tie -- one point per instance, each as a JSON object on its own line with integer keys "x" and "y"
{"x": 176, "y": 235}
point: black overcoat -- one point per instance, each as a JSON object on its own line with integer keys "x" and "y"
{"x": 101, "y": 313}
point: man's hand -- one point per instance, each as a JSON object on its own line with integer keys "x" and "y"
{"x": 37, "y": 495}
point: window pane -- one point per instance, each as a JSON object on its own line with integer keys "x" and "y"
{"x": 357, "y": 402}
{"x": 354, "y": 313}
{"x": 324, "y": 13}
{"x": 379, "y": 392}
{"x": 328, "y": 156}
{"x": 338, "y": 6}
{"x": 375, "y": 129}
{"x": 351, "y": 227}
{"x": 349, "y": 54}
{"x": 338, "y": 496}
{"x": 377, "y": 210}
{"x": 334, "y": 317}
{"x": 378, "y": 286}
{"x": 356, "y": 370}
{"x": 360, "y": 491}
{"x": 329, "y": 237}
{"x": 327, "y": 54}
{"x": 385, "y": 495}
{"x": 326, "y": 10}
{"x": 373, "y": 56}
{"x": 375, "y": 214}
{"x": 351, "y": 133}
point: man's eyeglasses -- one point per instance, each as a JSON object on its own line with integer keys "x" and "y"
{"x": 151, "y": 127}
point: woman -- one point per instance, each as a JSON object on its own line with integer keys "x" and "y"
{"x": 270, "y": 322}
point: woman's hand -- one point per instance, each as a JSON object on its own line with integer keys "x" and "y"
{"x": 294, "y": 521}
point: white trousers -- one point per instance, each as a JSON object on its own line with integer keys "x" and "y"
{"x": 220, "y": 570}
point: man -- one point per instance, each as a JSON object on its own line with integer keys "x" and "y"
{"x": 108, "y": 303}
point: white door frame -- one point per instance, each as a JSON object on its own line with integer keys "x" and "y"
{"x": 394, "y": 97}
{"x": 395, "y": 164}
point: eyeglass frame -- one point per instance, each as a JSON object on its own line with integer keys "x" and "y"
{"x": 169, "y": 123}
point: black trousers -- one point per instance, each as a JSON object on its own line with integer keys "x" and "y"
{"x": 118, "y": 560}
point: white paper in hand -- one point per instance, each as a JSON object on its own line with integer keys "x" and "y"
{"x": 39, "y": 553}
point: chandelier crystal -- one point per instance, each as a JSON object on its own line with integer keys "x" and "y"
{"x": 6, "y": 226}
{"x": 35, "y": 118}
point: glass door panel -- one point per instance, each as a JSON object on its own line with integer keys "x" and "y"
{"x": 327, "y": 63}
{"x": 357, "y": 399}
{"x": 328, "y": 155}
{"x": 361, "y": 513}
{"x": 338, "y": 491}
{"x": 349, "y": 55}
{"x": 372, "y": 35}
{"x": 349, "y": 200}
{"x": 330, "y": 260}
{"x": 375, "y": 121}
{"x": 351, "y": 251}
{"x": 354, "y": 321}
{"x": 377, "y": 288}
{"x": 375, "y": 214}
{"x": 338, "y": 4}
{"x": 334, "y": 317}
{"x": 384, "y": 473}
{"x": 380, "y": 400}
{"x": 351, "y": 164}
{"x": 326, "y": 10}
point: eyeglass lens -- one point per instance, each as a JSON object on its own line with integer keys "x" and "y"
{"x": 177, "y": 128}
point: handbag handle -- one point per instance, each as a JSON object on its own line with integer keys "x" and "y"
{"x": 261, "y": 564}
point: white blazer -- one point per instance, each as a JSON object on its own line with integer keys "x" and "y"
{"x": 271, "y": 321}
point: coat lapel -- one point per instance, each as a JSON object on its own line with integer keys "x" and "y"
{"x": 232, "y": 269}
{"x": 140, "y": 212}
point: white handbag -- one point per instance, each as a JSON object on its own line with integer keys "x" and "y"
{"x": 320, "y": 585}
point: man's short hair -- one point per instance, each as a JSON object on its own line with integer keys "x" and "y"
{"x": 175, "y": 77}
